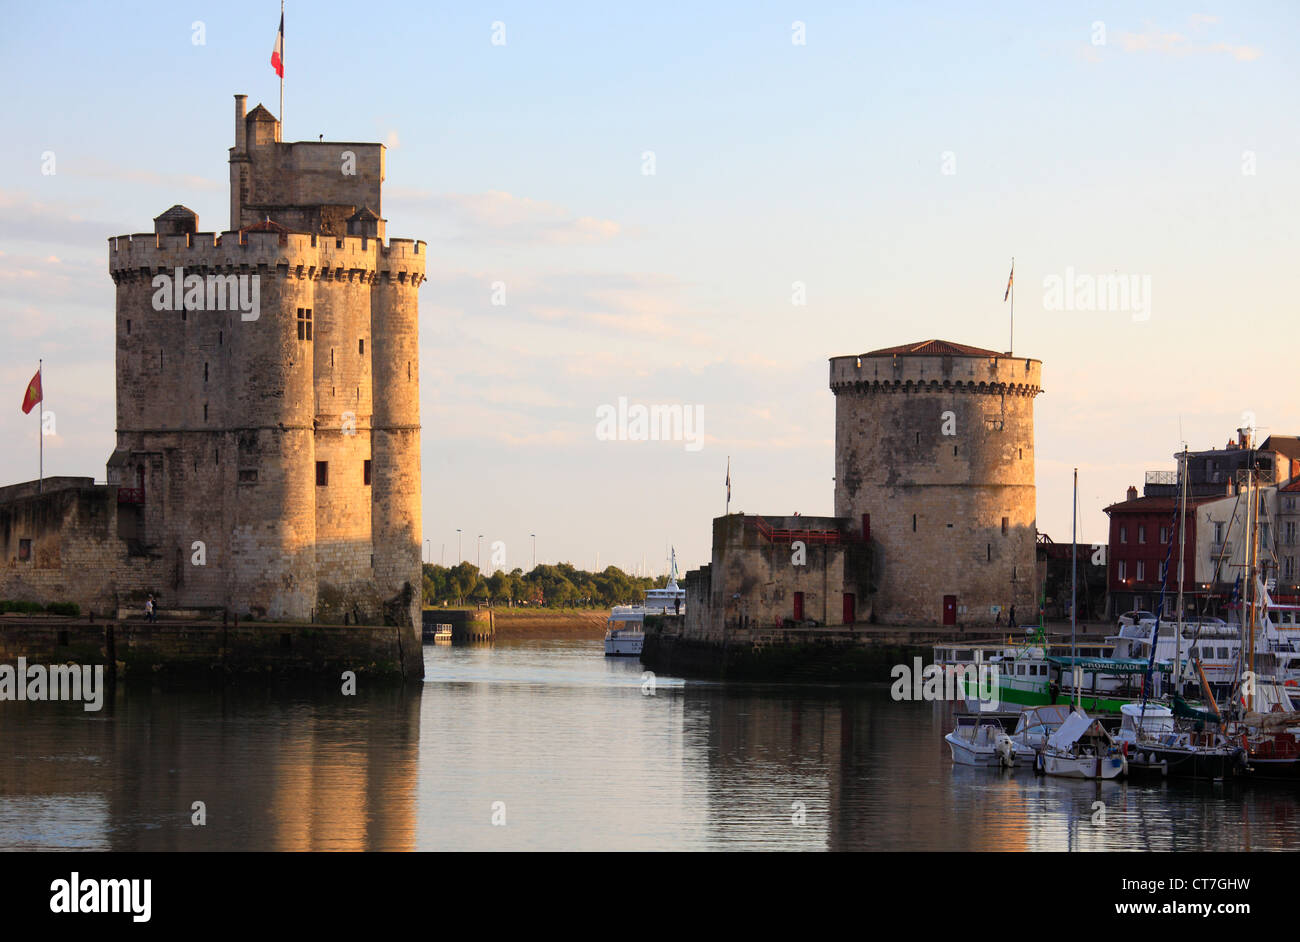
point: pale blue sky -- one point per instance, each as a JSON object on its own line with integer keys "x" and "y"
{"x": 775, "y": 163}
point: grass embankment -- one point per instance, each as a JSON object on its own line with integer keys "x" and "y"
{"x": 541, "y": 622}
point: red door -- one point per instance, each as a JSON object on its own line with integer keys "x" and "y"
{"x": 798, "y": 606}
{"x": 849, "y": 608}
{"x": 950, "y": 609}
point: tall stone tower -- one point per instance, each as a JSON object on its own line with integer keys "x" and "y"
{"x": 934, "y": 454}
{"x": 268, "y": 406}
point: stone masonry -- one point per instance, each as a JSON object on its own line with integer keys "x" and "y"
{"x": 267, "y": 461}
{"x": 934, "y": 454}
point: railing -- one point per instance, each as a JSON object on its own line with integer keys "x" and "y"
{"x": 130, "y": 495}
{"x": 807, "y": 536}
{"x": 1162, "y": 477}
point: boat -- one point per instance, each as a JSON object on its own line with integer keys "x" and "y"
{"x": 979, "y": 741}
{"x": 625, "y": 631}
{"x": 1034, "y": 727}
{"x": 625, "y": 628}
{"x": 1081, "y": 748}
{"x": 669, "y": 600}
{"x": 1155, "y": 741}
{"x": 442, "y": 634}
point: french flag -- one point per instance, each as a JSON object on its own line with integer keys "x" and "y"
{"x": 277, "y": 54}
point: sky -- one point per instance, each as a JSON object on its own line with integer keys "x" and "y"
{"x": 698, "y": 204}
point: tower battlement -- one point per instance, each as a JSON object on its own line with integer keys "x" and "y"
{"x": 243, "y": 251}
{"x": 270, "y": 408}
{"x": 934, "y": 453}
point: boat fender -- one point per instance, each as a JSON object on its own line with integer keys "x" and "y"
{"x": 1039, "y": 763}
{"x": 1123, "y": 762}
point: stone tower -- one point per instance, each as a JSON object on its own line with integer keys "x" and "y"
{"x": 268, "y": 391}
{"x": 934, "y": 454}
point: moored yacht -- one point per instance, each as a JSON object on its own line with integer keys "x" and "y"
{"x": 625, "y": 631}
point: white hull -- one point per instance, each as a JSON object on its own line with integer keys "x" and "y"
{"x": 627, "y": 646}
{"x": 1090, "y": 767}
{"x": 963, "y": 753}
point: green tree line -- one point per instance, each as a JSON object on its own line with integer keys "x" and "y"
{"x": 560, "y": 586}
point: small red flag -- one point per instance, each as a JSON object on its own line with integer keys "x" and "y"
{"x": 33, "y": 394}
{"x": 277, "y": 54}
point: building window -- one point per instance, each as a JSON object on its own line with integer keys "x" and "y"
{"x": 1288, "y": 567}
{"x": 205, "y": 412}
{"x": 1218, "y": 531}
{"x": 913, "y": 523}
{"x": 322, "y": 473}
{"x": 361, "y": 346}
{"x": 24, "y": 550}
{"x": 1005, "y": 522}
{"x": 1164, "y": 535}
{"x": 1141, "y": 570}
{"x": 1290, "y": 533}
{"x": 365, "y": 471}
{"x": 128, "y": 327}
{"x": 1142, "y": 533}
{"x": 988, "y": 552}
{"x": 304, "y": 323}
{"x": 247, "y": 475}
{"x": 1164, "y": 570}
{"x": 1123, "y": 534}
{"x": 1122, "y": 572}
{"x": 954, "y": 447}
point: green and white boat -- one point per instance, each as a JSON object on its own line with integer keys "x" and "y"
{"x": 1037, "y": 673}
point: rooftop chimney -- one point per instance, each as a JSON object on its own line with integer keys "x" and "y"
{"x": 1132, "y": 493}
{"x": 241, "y": 141}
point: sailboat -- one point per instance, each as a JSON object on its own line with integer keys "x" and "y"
{"x": 1179, "y": 739}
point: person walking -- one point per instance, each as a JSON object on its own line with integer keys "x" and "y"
{"x": 149, "y": 610}
{"x": 1011, "y": 617}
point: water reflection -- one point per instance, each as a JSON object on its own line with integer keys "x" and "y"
{"x": 549, "y": 745}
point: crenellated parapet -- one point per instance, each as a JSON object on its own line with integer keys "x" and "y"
{"x": 996, "y": 374}
{"x": 301, "y": 255}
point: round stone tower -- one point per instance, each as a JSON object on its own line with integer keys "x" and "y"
{"x": 934, "y": 457}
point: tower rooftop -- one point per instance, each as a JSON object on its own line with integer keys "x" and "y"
{"x": 935, "y": 348}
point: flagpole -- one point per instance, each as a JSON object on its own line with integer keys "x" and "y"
{"x": 40, "y": 426}
{"x": 1012, "y": 347}
{"x": 282, "y": 72}
{"x": 727, "y": 512}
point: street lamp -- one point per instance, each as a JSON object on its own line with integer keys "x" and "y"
{"x": 479, "y": 551}
{"x": 534, "y": 536}
{"x": 459, "y": 558}
{"x": 429, "y": 543}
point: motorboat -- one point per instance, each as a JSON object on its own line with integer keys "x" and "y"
{"x": 980, "y": 741}
{"x": 1081, "y": 748}
{"x": 625, "y": 631}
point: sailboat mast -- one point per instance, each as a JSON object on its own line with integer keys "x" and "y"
{"x": 1074, "y": 578}
{"x": 1182, "y": 544}
{"x": 1248, "y": 583}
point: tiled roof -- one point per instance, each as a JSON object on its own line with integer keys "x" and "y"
{"x": 932, "y": 348}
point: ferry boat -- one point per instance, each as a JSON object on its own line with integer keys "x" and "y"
{"x": 625, "y": 631}
{"x": 1035, "y": 673}
{"x": 671, "y": 599}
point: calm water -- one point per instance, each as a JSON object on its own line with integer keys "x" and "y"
{"x": 579, "y": 758}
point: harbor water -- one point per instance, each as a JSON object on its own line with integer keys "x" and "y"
{"x": 546, "y": 744}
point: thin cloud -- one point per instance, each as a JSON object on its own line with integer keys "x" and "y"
{"x": 499, "y": 217}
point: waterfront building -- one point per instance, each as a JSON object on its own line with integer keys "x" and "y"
{"x": 268, "y": 422}
{"x": 934, "y": 455}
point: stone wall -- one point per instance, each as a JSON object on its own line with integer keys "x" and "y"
{"x": 753, "y": 577}
{"x": 939, "y": 452}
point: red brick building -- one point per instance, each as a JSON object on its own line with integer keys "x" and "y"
{"x": 1141, "y": 531}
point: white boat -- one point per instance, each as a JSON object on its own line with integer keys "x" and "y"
{"x": 1034, "y": 727}
{"x": 625, "y": 631}
{"x": 671, "y": 599}
{"x": 1081, "y": 748}
{"x": 977, "y": 741}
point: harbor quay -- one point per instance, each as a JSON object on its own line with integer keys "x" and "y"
{"x": 194, "y": 650}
